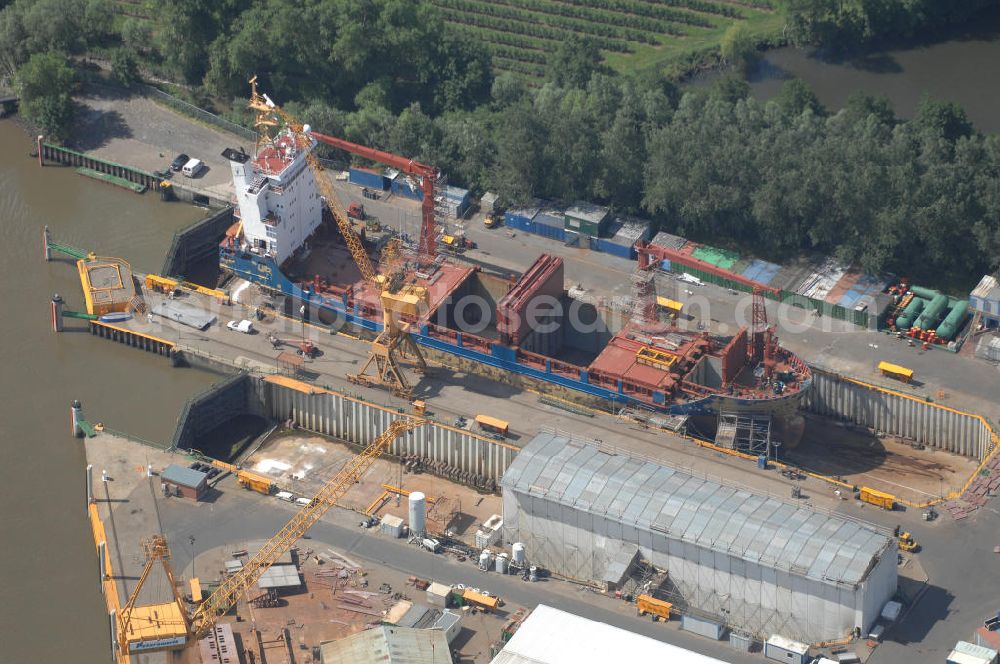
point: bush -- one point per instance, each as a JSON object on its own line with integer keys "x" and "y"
{"x": 44, "y": 84}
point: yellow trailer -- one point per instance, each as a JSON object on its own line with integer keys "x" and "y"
{"x": 485, "y": 602}
{"x": 657, "y": 608}
{"x": 895, "y": 371}
{"x": 492, "y": 424}
{"x": 673, "y": 307}
{"x": 886, "y": 501}
{"x": 255, "y": 482}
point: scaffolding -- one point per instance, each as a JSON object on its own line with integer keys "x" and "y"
{"x": 745, "y": 433}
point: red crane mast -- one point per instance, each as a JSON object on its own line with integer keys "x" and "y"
{"x": 427, "y": 174}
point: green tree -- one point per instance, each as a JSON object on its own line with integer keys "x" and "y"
{"x": 738, "y": 48}
{"x": 796, "y": 97}
{"x": 860, "y": 105}
{"x": 44, "y": 85}
{"x": 730, "y": 88}
{"x": 941, "y": 119}
{"x": 574, "y": 61}
{"x": 124, "y": 67}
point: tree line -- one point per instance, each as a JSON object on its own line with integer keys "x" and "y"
{"x": 918, "y": 197}
{"x": 846, "y": 25}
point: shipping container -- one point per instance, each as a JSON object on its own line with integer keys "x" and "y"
{"x": 740, "y": 642}
{"x": 608, "y": 247}
{"x": 706, "y": 628}
{"x": 438, "y": 594}
{"x": 668, "y": 241}
{"x": 550, "y": 216}
{"x": 970, "y": 652}
{"x": 408, "y": 187}
{"x": 878, "y": 498}
{"x": 521, "y": 217}
{"x": 658, "y": 608}
{"x": 586, "y": 218}
{"x": 780, "y": 649}
{"x": 364, "y": 177}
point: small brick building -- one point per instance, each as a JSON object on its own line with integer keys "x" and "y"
{"x": 185, "y": 482}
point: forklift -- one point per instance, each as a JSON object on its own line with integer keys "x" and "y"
{"x": 906, "y": 541}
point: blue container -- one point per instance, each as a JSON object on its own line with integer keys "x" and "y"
{"x": 402, "y": 186}
{"x": 546, "y": 231}
{"x": 666, "y": 265}
{"x": 367, "y": 178}
{"x": 613, "y": 248}
{"x": 762, "y": 461}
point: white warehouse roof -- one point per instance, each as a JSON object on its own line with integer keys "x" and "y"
{"x": 727, "y": 519}
{"x": 551, "y": 636}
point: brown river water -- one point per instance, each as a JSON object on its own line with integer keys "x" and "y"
{"x": 51, "y": 608}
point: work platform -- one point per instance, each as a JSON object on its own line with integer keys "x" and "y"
{"x": 107, "y": 284}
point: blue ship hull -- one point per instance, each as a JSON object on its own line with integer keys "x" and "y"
{"x": 265, "y": 272}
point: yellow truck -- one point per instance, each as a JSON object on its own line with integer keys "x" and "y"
{"x": 657, "y": 609}
{"x": 886, "y": 501}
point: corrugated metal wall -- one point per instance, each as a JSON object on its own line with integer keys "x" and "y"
{"x": 360, "y": 423}
{"x": 897, "y": 414}
{"x": 754, "y": 596}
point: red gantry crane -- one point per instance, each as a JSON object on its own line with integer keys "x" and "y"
{"x": 428, "y": 176}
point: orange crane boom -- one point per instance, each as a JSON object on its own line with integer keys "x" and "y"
{"x": 428, "y": 177}
{"x": 230, "y": 590}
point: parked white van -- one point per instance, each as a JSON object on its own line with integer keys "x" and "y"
{"x": 193, "y": 167}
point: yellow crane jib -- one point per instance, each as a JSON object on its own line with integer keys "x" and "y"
{"x": 395, "y": 299}
{"x": 267, "y": 112}
{"x": 230, "y": 590}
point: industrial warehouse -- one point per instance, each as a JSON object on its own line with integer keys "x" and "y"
{"x": 759, "y": 564}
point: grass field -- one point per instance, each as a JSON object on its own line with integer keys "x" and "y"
{"x": 633, "y": 34}
{"x": 670, "y": 35}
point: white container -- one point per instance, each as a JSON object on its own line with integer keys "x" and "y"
{"x": 392, "y": 526}
{"x": 533, "y": 573}
{"x": 418, "y": 513}
{"x": 518, "y": 554}
{"x": 501, "y": 564}
{"x": 484, "y": 560}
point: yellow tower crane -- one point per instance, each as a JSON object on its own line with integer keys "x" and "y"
{"x": 382, "y": 366}
{"x": 151, "y": 627}
{"x": 230, "y": 590}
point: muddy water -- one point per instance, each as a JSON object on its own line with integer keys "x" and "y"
{"x": 958, "y": 68}
{"x": 51, "y": 609}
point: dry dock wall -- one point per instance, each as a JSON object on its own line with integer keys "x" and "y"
{"x": 453, "y": 453}
{"x": 196, "y": 243}
{"x": 233, "y": 397}
{"x": 899, "y": 414}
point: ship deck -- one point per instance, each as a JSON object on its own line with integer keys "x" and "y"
{"x": 336, "y": 270}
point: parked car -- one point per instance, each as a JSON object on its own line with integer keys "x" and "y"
{"x": 244, "y": 326}
{"x": 179, "y": 161}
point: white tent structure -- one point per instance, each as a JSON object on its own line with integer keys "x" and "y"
{"x": 758, "y": 563}
{"x": 551, "y": 636}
